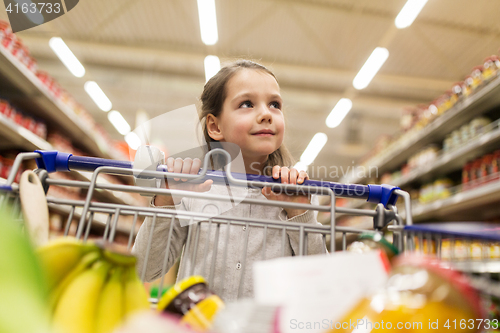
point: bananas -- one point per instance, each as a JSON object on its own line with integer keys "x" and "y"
{"x": 136, "y": 299}
{"x": 76, "y": 310}
{"x": 93, "y": 286}
{"x": 110, "y": 308}
{"x": 60, "y": 256}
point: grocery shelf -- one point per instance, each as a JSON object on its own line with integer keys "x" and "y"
{"x": 29, "y": 93}
{"x": 464, "y": 205}
{"x": 465, "y": 110}
{"x": 20, "y": 136}
{"x": 454, "y": 160}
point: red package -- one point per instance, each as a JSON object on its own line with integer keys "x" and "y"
{"x": 41, "y": 130}
{"x": 4, "y": 107}
{"x": 466, "y": 176}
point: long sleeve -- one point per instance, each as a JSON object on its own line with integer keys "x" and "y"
{"x": 157, "y": 236}
{"x": 315, "y": 243}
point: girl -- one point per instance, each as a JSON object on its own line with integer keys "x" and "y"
{"x": 241, "y": 105}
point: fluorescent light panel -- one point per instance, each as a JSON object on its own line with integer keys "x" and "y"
{"x": 208, "y": 22}
{"x": 212, "y": 66}
{"x": 409, "y": 13}
{"x": 370, "y": 68}
{"x": 133, "y": 140}
{"x": 300, "y": 166}
{"x": 313, "y": 148}
{"x": 66, "y": 56}
{"x": 98, "y": 96}
{"x": 119, "y": 122}
{"x": 339, "y": 112}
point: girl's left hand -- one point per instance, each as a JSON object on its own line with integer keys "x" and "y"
{"x": 288, "y": 176}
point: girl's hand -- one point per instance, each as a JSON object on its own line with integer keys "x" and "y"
{"x": 187, "y": 166}
{"x": 288, "y": 176}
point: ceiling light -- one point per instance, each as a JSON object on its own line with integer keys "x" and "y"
{"x": 339, "y": 112}
{"x": 212, "y": 66}
{"x": 119, "y": 122}
{"x": 409, "y": 13}
{"x": 35, "y": 17}
{"x": 66, "y": 56}
{"x": 208, "y": 21}
{"x": 313, "y": 148}
{"x": 300, "y": 166}
{"x": 370, "y": 68}
{"x": 98, "y": 96}
{"x": 133, "y": 140}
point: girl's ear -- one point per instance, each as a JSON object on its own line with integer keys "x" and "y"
{"x": 213, "y": 128}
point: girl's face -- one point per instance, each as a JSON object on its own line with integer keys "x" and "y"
{"x": 251, "y": 115}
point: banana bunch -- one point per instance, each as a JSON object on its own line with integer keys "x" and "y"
{"x": 93, "y": 287}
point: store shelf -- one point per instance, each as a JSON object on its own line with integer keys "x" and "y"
{"x": 29, "y": 93}
{"x": 470, "y": 204}
{"x": 20, "y": 136}
{"x": 481, "y": 101}
{"x": 453, "y": 160}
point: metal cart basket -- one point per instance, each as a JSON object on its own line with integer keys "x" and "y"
{"x": 85, "y": 211}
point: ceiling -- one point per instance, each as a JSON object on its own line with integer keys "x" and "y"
{"x": 148, "y": 55}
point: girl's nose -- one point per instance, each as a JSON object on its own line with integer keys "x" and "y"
{"x": 265, "y": 115}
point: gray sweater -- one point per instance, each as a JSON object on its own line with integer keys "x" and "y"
{"x": 237, "y": 269}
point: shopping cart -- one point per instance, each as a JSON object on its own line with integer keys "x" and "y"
{"x": 84, "y": 212}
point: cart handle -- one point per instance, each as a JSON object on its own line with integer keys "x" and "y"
{"x": 53, "y": 161}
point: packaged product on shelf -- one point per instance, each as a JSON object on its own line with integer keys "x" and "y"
{"x": 466, "y": 175}
{"x": 464, "y": 133}
{"x": 467, "y": 86}
{"x": 477, "y": 77}
{"x": 456, "y": 92}
{"x": 442, "y": 189}
{"x": 491, "y": 68}
{"x": 447, "y": 144}
{"x": 477, "y": 126}
{"x": 4, "y": 30}
{"x": 445, "y": 102}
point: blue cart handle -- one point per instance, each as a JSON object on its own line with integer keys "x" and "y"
{"x": 53, "y": 161}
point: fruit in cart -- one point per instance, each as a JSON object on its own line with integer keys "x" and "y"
{"x": 136, "y": 297}
{"x": 110, "y": 306}
{"x": 23, "y": 290}
{"x": 77, "y": 308}
{"x": 60, "y": 256}
{"x": 84, "y": 264}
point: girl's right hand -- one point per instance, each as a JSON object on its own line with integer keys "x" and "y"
{"x": 187, "y": 166}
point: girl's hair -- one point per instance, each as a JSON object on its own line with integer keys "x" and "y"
{"x": 212, "y": 100}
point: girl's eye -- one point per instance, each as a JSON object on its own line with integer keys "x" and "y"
{"x": 276, "y": 105}
{"x": 246, "y": 104}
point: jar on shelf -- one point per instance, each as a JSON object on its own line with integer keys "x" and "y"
{"x": 477, "y": 77}
{"x": 420, "y": 295}
{"x": 477, "y": 126}
{"x": 491, "y": 68}
{"x": 466, "y": 175}
{"x": 456, "y": 92}
{"x": 467, "y": 86}
{"x": 444, "y": 103}
{"x": 447, "y": 143}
